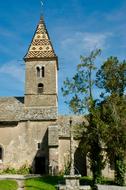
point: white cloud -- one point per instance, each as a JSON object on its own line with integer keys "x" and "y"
{"x": 86, "y": 41}
{"x": 13, "y": 69}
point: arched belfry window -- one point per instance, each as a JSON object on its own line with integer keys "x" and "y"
{"x": 38, "y": 72}
{"x": 43, "y": 71}
{"x": 40, "y": 88}
{"x": 1, "y": 153}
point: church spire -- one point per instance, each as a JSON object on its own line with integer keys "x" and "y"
{"x": 41, "y": 46}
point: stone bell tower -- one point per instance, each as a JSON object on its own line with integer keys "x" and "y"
{"x": 41, "y": 98}
{"x": 41, "y": 70}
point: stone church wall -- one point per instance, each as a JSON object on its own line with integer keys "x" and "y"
{"x": 21, "y": 143}
{"x": 64, "y": 153}
{"x": 25, "y": 141}
{"x": 81, "y": 160}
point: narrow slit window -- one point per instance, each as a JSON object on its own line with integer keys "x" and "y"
{"x": 39, "y": 145}
{"x": 43, "y": 71}
{"x": 40, "y": 88}
{"x": 1, "y": 154}
{"x": 38, "y": 71}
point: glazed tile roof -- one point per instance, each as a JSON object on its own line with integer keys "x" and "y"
{"x": 41, "y": 46}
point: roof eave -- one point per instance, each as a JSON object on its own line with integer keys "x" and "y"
{"x": 27, "y": 59}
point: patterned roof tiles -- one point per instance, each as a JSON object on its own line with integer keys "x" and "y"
{"x": 41, "y": 46}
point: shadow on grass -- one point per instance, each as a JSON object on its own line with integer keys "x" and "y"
{"x": 32, "y": 186}
{"x": 103, "y": 181}
{"x": 52, "y": 180}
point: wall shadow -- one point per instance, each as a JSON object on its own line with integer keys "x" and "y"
{"x": 40, "y": 161}
{"x": 80, "y": 162}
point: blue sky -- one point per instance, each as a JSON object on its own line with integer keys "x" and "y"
{"x": 75, "y": 26}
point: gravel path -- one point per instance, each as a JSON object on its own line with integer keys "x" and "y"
{"x": 110, "y": 187}
{"x": 20, "y": 184}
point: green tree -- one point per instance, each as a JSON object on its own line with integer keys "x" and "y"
{"x": 79, "y": 90}
{"x": 112, "y": 78}
{"x": 114, "y": 111}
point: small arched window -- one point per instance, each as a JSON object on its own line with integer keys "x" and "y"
{"x": 1, "y": 153}
{"x": 43, "y": 71}
{"x": 38, "y": 71}
{"x": 40, "y": 88}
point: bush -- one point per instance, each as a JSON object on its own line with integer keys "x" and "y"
{"x": 120, "y": 169}
{"x": 86, "y": 180}
{"x": 23, "y": 170}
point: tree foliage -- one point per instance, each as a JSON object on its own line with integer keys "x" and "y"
{"x": 106, "y": 117}
{"x": 79, "y": 88}
{"x": 81, "y": 98}
{"x": 112, "y": 78}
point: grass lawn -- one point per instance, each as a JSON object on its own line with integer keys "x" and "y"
{"x": 48, "y": 182}
{"x": 8, "y": 185}
{"x": 43, "y": 183}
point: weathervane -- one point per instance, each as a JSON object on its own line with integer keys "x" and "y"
{"x": 42, "y": 6}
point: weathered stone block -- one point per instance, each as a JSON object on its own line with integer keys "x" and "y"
{"x": 72, "y": 182}
{"x": 53, "y": 136}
